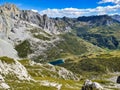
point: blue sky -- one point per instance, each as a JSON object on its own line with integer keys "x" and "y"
{"x": 44, "y": 4}
{"x": 70, "y": 8}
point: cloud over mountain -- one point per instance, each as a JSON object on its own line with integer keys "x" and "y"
{"x": 76, "y": 12}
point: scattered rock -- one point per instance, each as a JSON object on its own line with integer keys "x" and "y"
{"x": 51, "y": 84}
{"x": 3, "y": 85}
{"x": 118, "y": 79}
{"x": 97, "y": 86}
{"x": 89, "y": 85}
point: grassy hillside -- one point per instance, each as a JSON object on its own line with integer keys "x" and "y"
{"x": 95, "y": 64}
{"x": 69, "y": 44}
{"x": 23, "y": 49}
{"x": 44, "y": 77}
{"x": 102, "y": 36}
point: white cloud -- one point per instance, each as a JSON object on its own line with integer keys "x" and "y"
{"x": 34, "y": 10}
{"x": 62, "y": 12}
{"x": 110, "y": 1}
{"x": 75, "y": 12}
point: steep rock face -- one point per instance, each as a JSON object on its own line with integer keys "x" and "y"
{"x": 11, "y": 18}
{"x": 5, "y": 25}
{"x": 10, "y": 10}
{"x": 48, "y": 24}
{"x": 9, "y": 13}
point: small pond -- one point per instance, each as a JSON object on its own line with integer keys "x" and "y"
{"x": 57, "y": 62}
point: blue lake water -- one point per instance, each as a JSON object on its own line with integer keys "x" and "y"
{"x": 57, "y": 62}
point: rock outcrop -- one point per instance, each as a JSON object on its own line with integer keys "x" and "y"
{"x": 61, "y": 72}
{"x": 89, "y": 85}
{"x": 52, "y": 84}
{"x": 10, "y": 66}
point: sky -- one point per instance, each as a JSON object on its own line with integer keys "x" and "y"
{"x": 69, "y": 8}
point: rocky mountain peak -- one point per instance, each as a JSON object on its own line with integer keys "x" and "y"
{"x": 9, "y": 10}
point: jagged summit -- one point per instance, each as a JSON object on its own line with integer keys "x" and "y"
{"x": 9, "y": 6}
{"x": 10, "y": 10}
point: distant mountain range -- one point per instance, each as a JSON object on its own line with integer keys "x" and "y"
{"x": 116, "y": 17}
